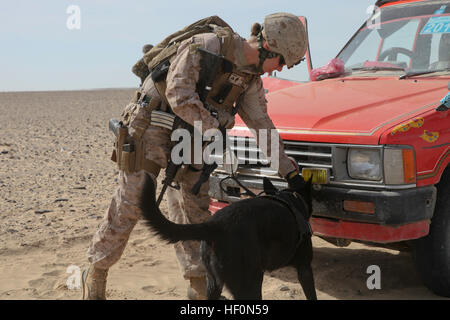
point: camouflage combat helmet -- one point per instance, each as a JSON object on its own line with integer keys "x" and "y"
{"x": 286, "y": 35}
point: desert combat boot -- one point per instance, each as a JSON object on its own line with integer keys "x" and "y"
{"x": 197, "y": 288}
{"x": 94, "y": 281}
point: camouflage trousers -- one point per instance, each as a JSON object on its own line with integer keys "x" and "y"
{"x": 123, "y": 213}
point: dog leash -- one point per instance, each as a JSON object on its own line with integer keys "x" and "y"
{"x": 247, "y": 190}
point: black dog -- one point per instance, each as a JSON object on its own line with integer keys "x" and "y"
{"x": 246, "y": 238}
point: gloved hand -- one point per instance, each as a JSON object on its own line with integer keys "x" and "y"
{"x": 295, "y": 180}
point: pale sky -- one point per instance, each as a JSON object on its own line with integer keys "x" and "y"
{"x": 39, "y": 52}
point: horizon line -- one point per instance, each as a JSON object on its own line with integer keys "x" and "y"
{"x": 61, "y": 90}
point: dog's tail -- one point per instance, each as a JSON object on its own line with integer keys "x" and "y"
{"x": 166, "y": 229}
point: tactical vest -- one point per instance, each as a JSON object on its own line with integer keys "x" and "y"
{"x": 226, "y": 89}
{"x": 228, "y": 85}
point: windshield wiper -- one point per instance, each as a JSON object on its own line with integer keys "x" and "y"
{"x": 419, "y": 73}
{"x": 377, "y": 68}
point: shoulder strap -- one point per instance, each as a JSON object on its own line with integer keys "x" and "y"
{"x": 226, "y": 39}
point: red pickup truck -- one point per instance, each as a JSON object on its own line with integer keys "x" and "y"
{"x": 373, "y": 132}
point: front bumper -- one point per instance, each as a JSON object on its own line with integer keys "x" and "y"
{"x": 392, "y": 208}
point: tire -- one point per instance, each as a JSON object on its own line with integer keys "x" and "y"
{"x": 432, "y": 253}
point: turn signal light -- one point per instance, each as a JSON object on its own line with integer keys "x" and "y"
{"x": 359, "y": 206}
{"x": 399, "y": 166}
{"x": 409, "y": 168}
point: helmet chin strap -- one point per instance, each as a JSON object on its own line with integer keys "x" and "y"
{"x": 263, "y": 53}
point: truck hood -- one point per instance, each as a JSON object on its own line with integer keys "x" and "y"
{"x": 359, "y": 109}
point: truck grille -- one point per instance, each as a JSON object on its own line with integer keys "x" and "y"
{"x": 253, "y": 162}
{"x": 309, "y": 154}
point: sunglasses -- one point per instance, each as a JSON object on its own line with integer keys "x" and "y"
{"x": 282, "y": 62}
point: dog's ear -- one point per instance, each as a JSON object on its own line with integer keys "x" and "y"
{"x": 268, "y": 186}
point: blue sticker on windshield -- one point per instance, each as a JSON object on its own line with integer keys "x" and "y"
{"x": 441, "y": 10}
{"x": 437, "y": 25}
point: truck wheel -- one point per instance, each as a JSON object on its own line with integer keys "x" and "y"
{"x": 432, "y": 253}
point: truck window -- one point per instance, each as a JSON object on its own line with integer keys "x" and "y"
{"x": 367, "y": 50}
{"x": 402, "y": 36}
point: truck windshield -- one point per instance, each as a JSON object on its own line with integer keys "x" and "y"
{"x": 412, "y": 38}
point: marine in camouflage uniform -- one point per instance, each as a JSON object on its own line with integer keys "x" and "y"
{"x": 113, "y": 233}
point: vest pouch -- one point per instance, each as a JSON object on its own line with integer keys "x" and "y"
{"x": 128, "y": 158}
{"x": 128, "y": 113}
{"x": 122, "y": 135}
{"x": 224, "y": 91}
{"x": 159, "y": 73}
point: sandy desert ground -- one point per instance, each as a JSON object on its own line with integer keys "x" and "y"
{"x": 56, "y": 180}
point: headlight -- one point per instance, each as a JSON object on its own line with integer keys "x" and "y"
{"x": 364, "y": 164}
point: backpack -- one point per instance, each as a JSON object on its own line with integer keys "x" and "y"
{"x": 169, "y": 46}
